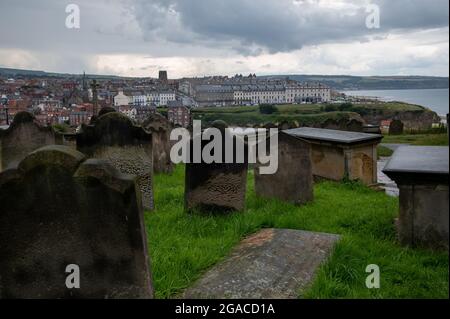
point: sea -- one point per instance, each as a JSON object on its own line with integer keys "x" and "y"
{"x": 434, "y": 99}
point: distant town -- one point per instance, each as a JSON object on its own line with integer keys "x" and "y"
{"x": 75, "y": 100}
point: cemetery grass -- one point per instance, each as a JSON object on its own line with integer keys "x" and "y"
{"x": 183, "y": 247}
{"x": 418, "y": 139}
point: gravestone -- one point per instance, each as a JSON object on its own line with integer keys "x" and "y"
{"x": 337, "y": 155}
{"x": 160, "y": 128}
{"x": 271, "y": 264}
{"x": 59, "y": 209}
{"x": 24, "y": 135}
{"x": 113, "y": 137}
{"x": 103, "y": 111}
{"x": 421, "y": 173}
{"x": 293, "y": 181}
{"x": 216, "y": 187}
{"x": 396, "y": 127}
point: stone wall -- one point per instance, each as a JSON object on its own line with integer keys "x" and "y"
{"x": 59, "y": 209}
{"x": 127, "y": 147}
{"x": 413, "y": 120}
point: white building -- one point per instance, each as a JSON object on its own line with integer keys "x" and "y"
{"x": 121, "y": 99}
{"x": 165, "y": 97}
{"x": 279, "y": 94}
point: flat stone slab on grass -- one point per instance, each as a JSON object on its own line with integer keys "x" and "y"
{"x": 271, "y": 264}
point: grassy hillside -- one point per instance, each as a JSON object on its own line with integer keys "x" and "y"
{"x": 183, "y": 247}
{"x": 303, "y": 114}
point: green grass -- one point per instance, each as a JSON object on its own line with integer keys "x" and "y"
{"x": 184, "y": 246}
{"x": 418, "y": 139}
{"x": 303, "y": 114}
{"x": 383, "y": 151}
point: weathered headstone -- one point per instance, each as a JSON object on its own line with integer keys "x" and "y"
{"x": 337, "y": 155}
{"x": 396, "y": 127}
{"x": 293, "y": 181}
{"x": 25, "y": 135}
{"x": 272, "y": 264}
{"x": 216, "y": 187}
{"x": 160, "y": 128}
{"x": 421, "y": 173}
{"x": 127, "y": 147}
{"x": 59, "y": 210}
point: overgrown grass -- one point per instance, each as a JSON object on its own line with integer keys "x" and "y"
{"x": 184, "y": 246}
{"x": 418, "y": 139}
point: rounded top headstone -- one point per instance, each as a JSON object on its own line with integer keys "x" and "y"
{"x": 23, "y": 117}
{"x": 106, "y": 110}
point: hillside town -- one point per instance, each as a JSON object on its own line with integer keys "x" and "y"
{"x": 73, "y": 100}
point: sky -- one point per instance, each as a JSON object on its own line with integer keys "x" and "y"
{"x": 224, "y": 37}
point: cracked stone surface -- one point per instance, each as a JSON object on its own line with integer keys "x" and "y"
{"x": 271, "y": 264}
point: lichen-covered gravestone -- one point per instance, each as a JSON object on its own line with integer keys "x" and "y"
{"x": 216, "y": 187}
{"x": 127, "y": 147}
{"x": 160, "y": 128}
{"x": 67, "y": 222}
{"x": 25, "y": 135}
{"x": 293, "y": 181}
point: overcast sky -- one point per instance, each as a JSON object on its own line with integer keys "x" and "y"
{"x": 225, "y": 37}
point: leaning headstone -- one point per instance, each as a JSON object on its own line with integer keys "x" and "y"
{"x": 66, "y": 220}
{"x": 160, "y": 128}
{"x": 216, "y": 187}
{"x": 25, "y": 135}
{"x": 127, "y": 147}
{"x": 272, "y": 264}
{"x": 293, "y": 181}
{"x": 421, "y": 173}
{"x": 396, "y": 127}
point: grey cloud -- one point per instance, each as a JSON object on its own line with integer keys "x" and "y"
{"x": 279, "y": 25}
